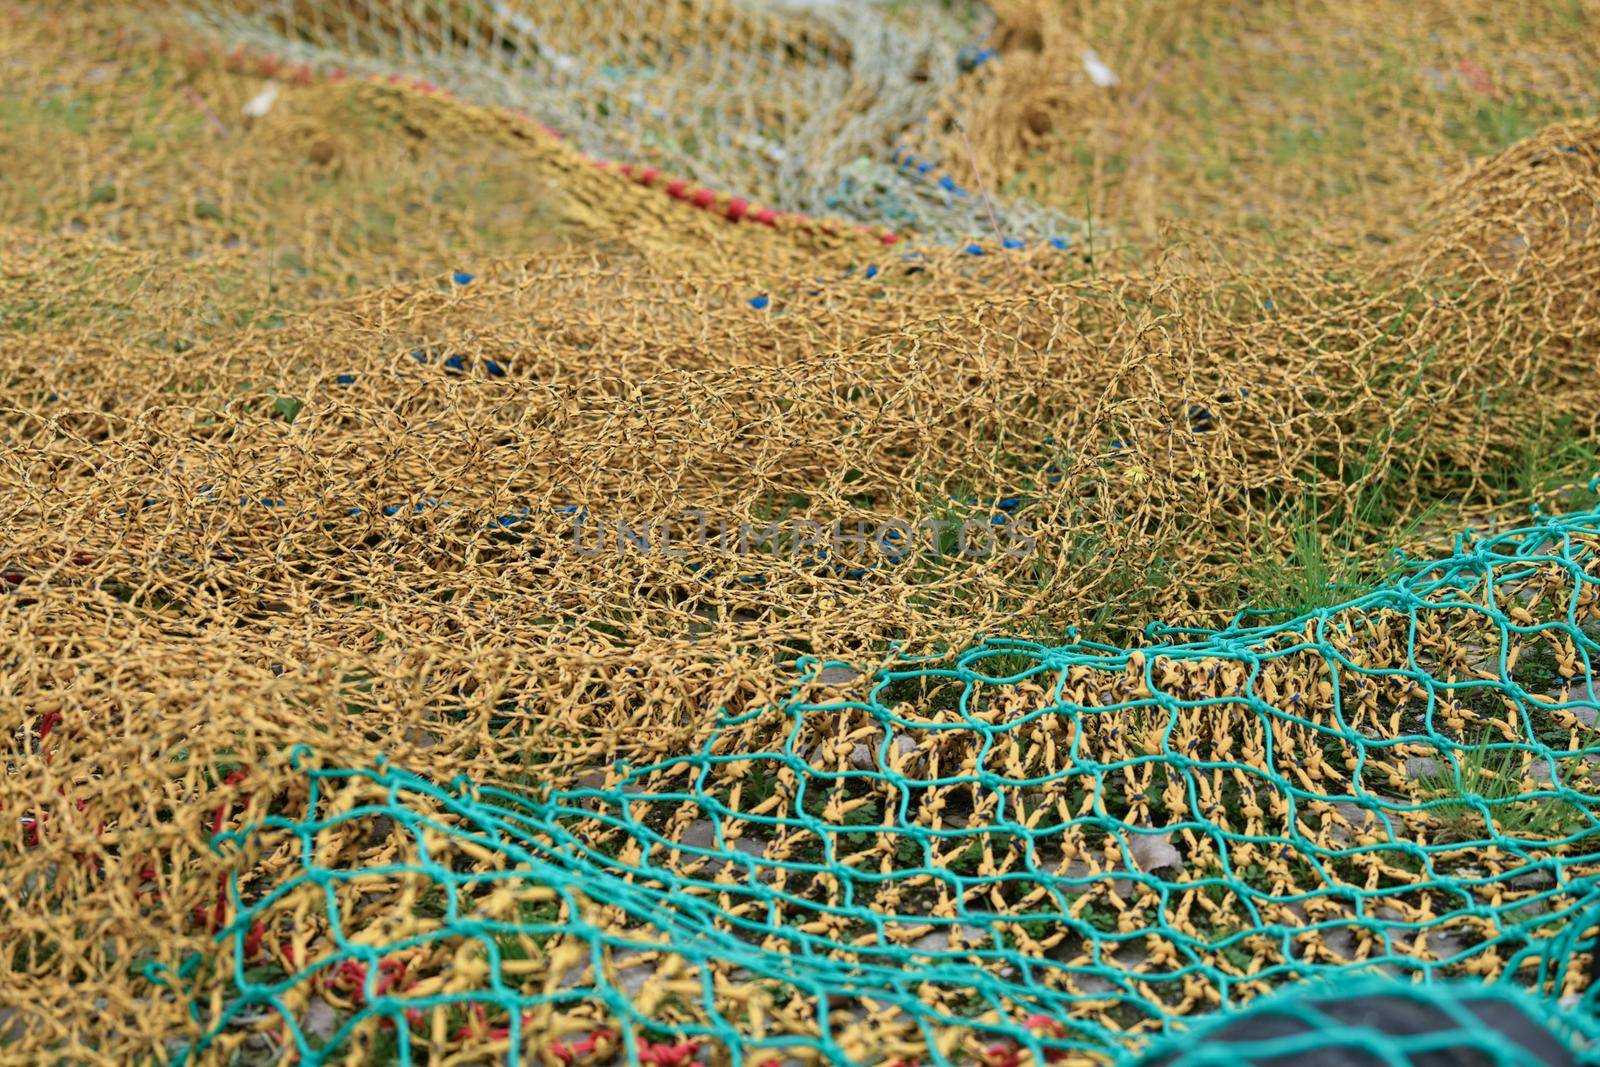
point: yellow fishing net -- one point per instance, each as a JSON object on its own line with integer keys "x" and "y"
{"x": 413, "y": 518}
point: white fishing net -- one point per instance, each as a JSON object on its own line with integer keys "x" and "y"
{"x": 797, "y": 104}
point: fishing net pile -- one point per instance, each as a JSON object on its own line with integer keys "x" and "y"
{"x": 464, "y": 600}
{"x": 1057, "y": 849}
{"x": 800, "y": 104}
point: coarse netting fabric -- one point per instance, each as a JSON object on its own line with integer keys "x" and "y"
{"x": 1059, "y": 849}
{"x": 366, "y": 701}
{"x": 803, "y": 104}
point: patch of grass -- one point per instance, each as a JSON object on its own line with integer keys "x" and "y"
{"x": 1330, "y": 559}
{"x": 1042, "y": 533}
{"x": 922, "y": 686}
{"x": 1554, "y": 462}
{"x": 1321, "y": 569}
{"x": 514, "y": 946}
{"x": 287, "y": 408}
{"x": 1536, "y": 669}
{"x": 1495, "y": 126}
{"x": 385, "y": 1047}
{"x": 66, "y": 114}
{"x": 1491, "y": 776}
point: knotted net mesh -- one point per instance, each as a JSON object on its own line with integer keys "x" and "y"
{"x": 805, "y": 105}
{"x": 1059, "y": 849}
{"x": 412, "y": 529}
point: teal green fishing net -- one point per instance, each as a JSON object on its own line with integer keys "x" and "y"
{"x": 1022, "y": 853}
